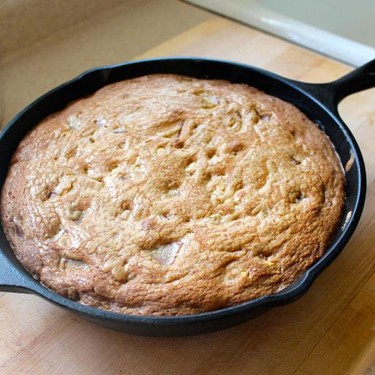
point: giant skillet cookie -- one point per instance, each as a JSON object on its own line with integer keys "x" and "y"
{"x": 168, "y": 195}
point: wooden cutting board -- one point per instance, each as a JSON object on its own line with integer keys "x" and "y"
{"x": 331, "y": 330}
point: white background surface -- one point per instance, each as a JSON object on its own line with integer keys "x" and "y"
{"x": 334, "y": 28}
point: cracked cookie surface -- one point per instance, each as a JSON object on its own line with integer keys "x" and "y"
{"x": 168, "y": 195}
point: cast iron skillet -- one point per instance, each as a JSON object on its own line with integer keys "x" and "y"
{"x": 318, "y": 101}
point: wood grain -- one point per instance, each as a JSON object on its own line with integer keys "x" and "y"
{"x": 331, "y": 330}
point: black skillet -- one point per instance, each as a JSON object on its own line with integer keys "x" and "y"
{"x": 318, "y": 101}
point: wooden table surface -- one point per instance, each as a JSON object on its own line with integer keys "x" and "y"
{"x": 331, "y": 330}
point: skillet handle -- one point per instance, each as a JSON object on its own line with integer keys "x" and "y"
{"x": 331, "y": 93}
{"x": 11, "y": 278}
{"x": 358, "y": 80}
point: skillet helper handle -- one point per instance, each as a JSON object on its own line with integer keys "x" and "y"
{"x": 11, "y": 279}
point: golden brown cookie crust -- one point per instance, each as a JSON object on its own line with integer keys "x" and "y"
{"x": 168, "y": 195}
